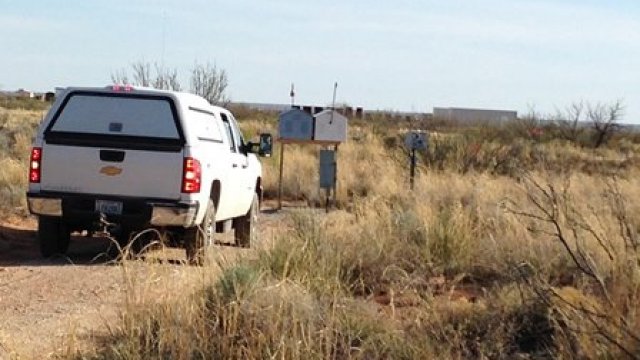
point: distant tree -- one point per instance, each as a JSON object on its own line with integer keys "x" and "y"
{"x": 589, "y": 124}
{"x": 527, "y": 126}
{"x": 209, "y": 82}
{"x": 120, "y": 77}
{"x": 166, "y": 79}
{"x": 604, "y": 121}
{"x": 570, "y": 121}
{"x": 141, "y": 73}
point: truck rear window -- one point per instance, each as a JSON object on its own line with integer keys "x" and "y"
{"x": 116, "y": 118}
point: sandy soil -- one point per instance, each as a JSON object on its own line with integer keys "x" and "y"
{"x": 53, "y": 305}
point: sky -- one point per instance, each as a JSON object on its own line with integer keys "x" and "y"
{"x": 405, "y": 55}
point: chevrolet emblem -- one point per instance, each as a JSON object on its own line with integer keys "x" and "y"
{"x": 111, "y": 170}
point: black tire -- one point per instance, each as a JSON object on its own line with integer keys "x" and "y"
{"x": 199, "y": 239}
{"x": 246, "y": 227}
{"x": 53, "y": 236}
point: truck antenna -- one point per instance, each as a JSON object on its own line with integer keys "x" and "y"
{"x": 164, "y": 37}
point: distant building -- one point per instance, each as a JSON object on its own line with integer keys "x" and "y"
{"x": 22, "y": 93}
{"x": 397, "y": 115}
{"x": 474, "y": 115}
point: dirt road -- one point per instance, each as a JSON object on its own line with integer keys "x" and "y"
{"x": 49, "y": 306}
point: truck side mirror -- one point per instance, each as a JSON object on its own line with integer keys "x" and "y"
{"x": 265, "y": 147}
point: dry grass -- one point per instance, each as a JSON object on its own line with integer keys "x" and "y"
{"x": 16, "y": 131}
{"x": 465, "y": 266}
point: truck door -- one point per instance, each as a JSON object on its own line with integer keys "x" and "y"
{"x": 237, "y": 194}
{"x": 247, "y": 174}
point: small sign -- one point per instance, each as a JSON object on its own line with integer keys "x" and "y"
{"x": 415, "y": 140}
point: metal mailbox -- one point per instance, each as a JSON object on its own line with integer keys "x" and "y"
{"x": 295, "y": 124}
{"x": 330, "y": 125}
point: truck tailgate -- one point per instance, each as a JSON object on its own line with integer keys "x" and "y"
{"x": 108, "y": 171}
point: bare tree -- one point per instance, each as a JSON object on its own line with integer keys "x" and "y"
{"x": 569, "y": 122}
{"x": 166, "y": 79}
{"x": 528, "y": 126}
{"x": 120, "y": 77}
{"x": 209, "y": 82}
{"x": 141, "y": 73}
{"x": 604, "y": 121}
{"x": 163, "y": 78}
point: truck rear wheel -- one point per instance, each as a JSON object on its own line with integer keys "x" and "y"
{"x": 53, "y": 236}
{"x": 199, "y": 239}
{"x": 246, "y": 227}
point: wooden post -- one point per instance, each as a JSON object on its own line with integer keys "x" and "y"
{"x": 335, "y": 177}
{"x": 327, "y": 200}
{"x": 280, "y": 178}
{"x": 327, "y": 191}
{"x": 412, "y": 169}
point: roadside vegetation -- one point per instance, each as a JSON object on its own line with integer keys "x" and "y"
{"x": 519, "y": 241}
{"x": 17, "y": 126}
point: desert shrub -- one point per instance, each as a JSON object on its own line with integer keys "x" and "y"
{"x": 450, "y": 238}
{"x": 17, "y": 129}
{"x": 13, "y": 103}
{"x": 463, "y": 154}
{"x": 507, "y": 325}
{"x": 13, "y": 182}
{"x": 597, "y": 313}
{"x": 236, "y": 281}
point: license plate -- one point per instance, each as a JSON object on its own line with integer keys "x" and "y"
{"x": 109, "y": 207}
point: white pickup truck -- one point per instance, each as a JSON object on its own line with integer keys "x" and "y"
{"x": 124, "y": 159}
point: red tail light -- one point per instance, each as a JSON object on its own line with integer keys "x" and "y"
{"x": 191, "y": 175}
{"x": 125, "y": 87}
{"x": 34, "y": 165}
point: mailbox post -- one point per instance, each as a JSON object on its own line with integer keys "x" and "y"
{"x": 414, "y": 141}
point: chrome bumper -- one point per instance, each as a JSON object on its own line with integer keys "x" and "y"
{"x": 157, "y": 214}
{"x": 163, "y": 215}
{"x": 45, "y": 206}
